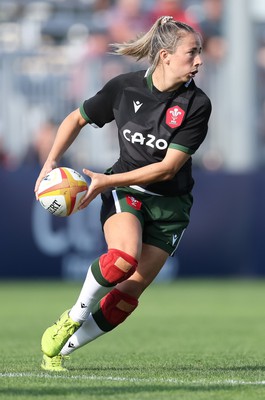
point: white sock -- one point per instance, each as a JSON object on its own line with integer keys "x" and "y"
{"x": 90, "y": 294}
{"x": 85, "y": 334}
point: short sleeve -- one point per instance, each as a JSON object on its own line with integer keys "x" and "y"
{"x": 98, "y": 110}
{"x": 194, "y": 130}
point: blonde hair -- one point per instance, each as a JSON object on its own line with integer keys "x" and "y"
{"x": 166, "y": 33}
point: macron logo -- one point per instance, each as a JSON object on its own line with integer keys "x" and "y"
{"x": 137, "y": 105}
{"x": 174, "y": 239}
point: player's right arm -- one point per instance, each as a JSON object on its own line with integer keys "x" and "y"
{"x": 65, "y": 136}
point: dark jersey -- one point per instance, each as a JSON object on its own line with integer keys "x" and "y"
{"x": 150, "y": 121}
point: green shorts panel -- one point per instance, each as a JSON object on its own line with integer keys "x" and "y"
{"x": 163, "y": 219}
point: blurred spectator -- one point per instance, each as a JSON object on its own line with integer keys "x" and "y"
{"x": 85, "y": 66}
{"x": 101, "y": 5}
{"x": 211, "y": 29}
{"x": 97, "y": 43}
{"x": 174, "y": 8}
{"x": 41, "y": 145}
{"x": 210, "y": 79}
{"x": 126, "y": 20}
{"x": 6, "y": 161}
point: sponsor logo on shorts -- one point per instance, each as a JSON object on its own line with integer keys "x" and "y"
{"x": 133, "y": 202}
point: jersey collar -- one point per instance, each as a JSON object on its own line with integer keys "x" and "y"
{"x": 149, "y": 80}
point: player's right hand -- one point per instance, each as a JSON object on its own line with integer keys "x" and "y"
{"x": 47, "y": 167}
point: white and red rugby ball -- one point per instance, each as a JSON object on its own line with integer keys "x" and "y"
{"x": 61, "y": 191}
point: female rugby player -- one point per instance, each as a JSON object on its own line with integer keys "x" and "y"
{"x": 162, "y": 119}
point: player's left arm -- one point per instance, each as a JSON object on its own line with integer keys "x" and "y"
{"x": 160, "y": 171}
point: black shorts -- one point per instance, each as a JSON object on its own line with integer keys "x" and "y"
{"x": 163, "y": 219}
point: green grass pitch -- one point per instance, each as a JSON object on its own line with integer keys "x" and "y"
{"x": 191, "y": 339}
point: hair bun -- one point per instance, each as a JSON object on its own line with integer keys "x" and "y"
{"x": 165, "y": 19}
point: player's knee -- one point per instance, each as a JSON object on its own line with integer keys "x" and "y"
{"x": 113, "y": 309}
{"x": 113, "y": 267}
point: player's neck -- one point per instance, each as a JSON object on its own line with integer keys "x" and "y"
{"x": 162, "y": 83}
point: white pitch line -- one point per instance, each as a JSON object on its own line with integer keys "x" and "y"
{"x": 231, "y": 382}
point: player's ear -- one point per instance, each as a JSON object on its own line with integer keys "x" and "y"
{"x": 164, "y": 56}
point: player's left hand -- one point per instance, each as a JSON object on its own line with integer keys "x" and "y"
{"x": 99, "y": 182}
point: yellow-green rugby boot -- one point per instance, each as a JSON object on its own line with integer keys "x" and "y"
{"x": 55, "y": 337}
{"x": 54, "y": 364}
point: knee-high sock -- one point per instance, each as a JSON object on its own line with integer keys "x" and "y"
{"x": 104, "y": 273}
{"x": 90, "y": 294}
{"x": 111, "y": 311}
{"x": 86, "y": 333}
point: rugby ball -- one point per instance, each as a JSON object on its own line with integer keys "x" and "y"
{"x": 61, "y": 191}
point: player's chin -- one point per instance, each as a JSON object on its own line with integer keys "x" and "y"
{"x": 188, "y": 77}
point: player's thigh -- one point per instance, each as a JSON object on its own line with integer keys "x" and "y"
{"x": 151, "y": 261}
{"x": 123, "y": 231}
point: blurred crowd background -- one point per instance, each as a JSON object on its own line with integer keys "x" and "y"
{"x": 54, "y": 54}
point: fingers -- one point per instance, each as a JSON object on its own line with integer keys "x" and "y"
{"x": 86, "y": 201}
{"x": 89, "y": 196}
{"x": 88, "y": 173}
{"x": 45, "y": 170}
{"x": 38, "y": 181}
{"x": 36, "y": 189}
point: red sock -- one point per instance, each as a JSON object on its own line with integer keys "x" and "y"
{"x": 113, "y": 309}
